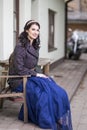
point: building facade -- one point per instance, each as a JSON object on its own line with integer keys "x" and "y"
{"x": 49, "y": 13}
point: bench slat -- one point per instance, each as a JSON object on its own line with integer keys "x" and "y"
{"x": 11, "y": 95}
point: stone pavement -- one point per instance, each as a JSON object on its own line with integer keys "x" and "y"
{"x": 68, "y": 75}
{"x": 79, "y": 107}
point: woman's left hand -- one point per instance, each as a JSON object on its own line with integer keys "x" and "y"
{"x": 41, "y": 75}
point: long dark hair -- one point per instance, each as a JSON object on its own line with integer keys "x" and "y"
{"x": 23, "y": 37}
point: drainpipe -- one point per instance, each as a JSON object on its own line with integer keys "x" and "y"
{"x": 66, "y": 21}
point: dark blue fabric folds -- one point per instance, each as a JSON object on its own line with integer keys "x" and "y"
{"x": 48, "y": 104}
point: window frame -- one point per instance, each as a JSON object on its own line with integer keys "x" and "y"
{"x": 51, "y": 33}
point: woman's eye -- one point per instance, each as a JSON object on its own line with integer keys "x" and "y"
{"x": 33, "y": 29}
{"x": 38, "y": 30}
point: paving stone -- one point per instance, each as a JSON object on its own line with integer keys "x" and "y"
{"x": 79, "y": 107}
{"x": 82, "y": 127}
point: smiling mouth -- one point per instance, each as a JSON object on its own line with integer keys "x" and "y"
{"x": 34, "y": 35}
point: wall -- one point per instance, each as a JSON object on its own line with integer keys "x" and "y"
{"x": 74, "y": 5}
{"x": 84, "y": 5}
{"x": 6, "y": 30}
{"x": 35, "y": 9}
{"x": 25, "y": 13}
{"x": 1, "y": 29}
{"x": 58, "y": 7}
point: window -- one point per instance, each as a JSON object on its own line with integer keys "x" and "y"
{"x": 16, "y": 21}
{"x": 51, "y": 15}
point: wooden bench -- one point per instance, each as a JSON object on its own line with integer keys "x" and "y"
{"x": 43, "y": 62}
{"x": 5, "y": 92}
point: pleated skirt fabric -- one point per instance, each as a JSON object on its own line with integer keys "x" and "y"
{"x": 48, "y": 104}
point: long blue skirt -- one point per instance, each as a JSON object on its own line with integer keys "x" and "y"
{"x": 48, "y": 104}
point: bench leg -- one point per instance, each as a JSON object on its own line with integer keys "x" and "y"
{"x": 25, "y": 104}
{"x": 25, "y": 113}
{"x": 46, "y": 69}
{"x": 1, "y": 102}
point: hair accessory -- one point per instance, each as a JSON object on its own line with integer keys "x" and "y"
{"x": 31, "y": 21}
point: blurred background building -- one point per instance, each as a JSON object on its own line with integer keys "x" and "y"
{"x": 77, "y": 15}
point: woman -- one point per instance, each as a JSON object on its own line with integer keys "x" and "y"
{"x": 48, "y": 104}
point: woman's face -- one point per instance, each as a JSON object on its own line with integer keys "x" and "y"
{"x": 33, "y": 32}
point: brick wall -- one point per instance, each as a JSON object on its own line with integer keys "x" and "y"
{"x": 74, "y": 5}
{"x": 84, "y": 5}
{"x": 78, "y": 17}
{"x": 78, "y": 5}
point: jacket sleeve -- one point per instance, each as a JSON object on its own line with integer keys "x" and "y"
{"x": 20, "y": 69}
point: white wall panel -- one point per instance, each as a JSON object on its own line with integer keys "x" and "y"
{"x": 58, "y": 6}
{"x": 7, "y": 28}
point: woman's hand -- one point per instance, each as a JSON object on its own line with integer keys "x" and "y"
{"x": 41, "y": 75}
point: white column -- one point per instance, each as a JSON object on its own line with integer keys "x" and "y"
{"x": 6, "y": 44}
{"x": 1, "y": 29}
{"x": 25, "y": 13}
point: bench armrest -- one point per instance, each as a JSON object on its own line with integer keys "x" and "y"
{"x": 15, "y": 76}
